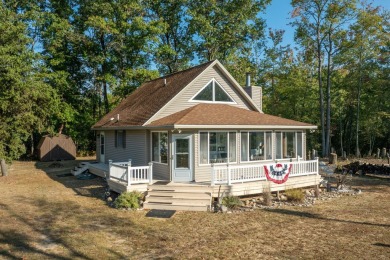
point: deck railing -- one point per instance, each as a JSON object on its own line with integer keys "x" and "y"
{"x": 229, "y": 174}
{"x": 124, "y": 172}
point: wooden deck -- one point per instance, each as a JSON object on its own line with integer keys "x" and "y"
{"x": 186, "y": 196}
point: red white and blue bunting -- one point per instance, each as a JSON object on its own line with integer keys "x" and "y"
{"x": 278, "y": 173}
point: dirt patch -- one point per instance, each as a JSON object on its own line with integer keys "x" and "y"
{"x": 48, "y": 217}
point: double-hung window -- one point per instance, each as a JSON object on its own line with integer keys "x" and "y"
{"x": 256, "y": 146}
{"x": 217, "y": 147}
{"x": 160, "y": 147}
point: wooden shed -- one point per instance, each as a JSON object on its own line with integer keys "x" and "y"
{"x": 59, "y": 147}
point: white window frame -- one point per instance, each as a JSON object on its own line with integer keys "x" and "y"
{"x": 296, "y": 144}
{"x": 159, "y": 148}
{"x": 208, "y": 146}
{"x": 214, "y": 81}
{"x": 248, "y": 141}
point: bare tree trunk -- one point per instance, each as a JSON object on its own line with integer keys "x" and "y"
{"x": 3, "y": 167}
{"x": 321, "y": 99}
{"x": 328, "y": 86}
{"x": 358, "y": 107}
{"x": 32, "y": 144}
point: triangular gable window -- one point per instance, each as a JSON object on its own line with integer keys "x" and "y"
{"x": 213, "y": 92}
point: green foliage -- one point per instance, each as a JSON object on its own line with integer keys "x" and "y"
{"x": 27, "y": 102}
{"x": 231, "y": 202}
{"x": 296, "y": 195}
{"x": 128, "y": 200}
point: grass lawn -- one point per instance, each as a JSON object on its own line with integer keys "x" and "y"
{"x": 43, "y": 216}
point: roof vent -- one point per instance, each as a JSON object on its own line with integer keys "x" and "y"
{"x": 117, "y": 117}
{"x": 165, "y": 82}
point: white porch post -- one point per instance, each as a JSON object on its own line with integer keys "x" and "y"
{"x": 229, "y": 175}
{"x": 129, "y": 173}
{"x": 150, "y": 175}
{"x": 212, "y": 175}
{"x": 109, "y": 169}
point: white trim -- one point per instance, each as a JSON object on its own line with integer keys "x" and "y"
{"x": 248, "y": 145}
{"x": 191, "y": 151}
{"x": 151, "y": 146}
{"x": 208, "y": 145}
{"x": 265, "y": 127}
{"x": 151, "y": 119}
{"x": 228, "y": 76}
{"x": 296, "y": 144}
{"x": 213, "y": 101}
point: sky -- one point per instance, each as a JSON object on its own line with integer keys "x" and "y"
{"x": 277, "y": 16}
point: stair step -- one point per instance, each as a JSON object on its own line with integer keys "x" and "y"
{"x": 175, "y": 207}
{"x": 179, "y": 201}
{"x": 197, "y": 195}
{"x": 193, "y": 188}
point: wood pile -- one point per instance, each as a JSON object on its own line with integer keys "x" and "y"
{"x": 366, "y": 168}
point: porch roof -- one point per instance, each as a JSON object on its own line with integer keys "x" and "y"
{"x": 226, "y": 116}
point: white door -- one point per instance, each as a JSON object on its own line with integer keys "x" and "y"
{"x": 102, "y": 147}
{"x": 182, "y": 158}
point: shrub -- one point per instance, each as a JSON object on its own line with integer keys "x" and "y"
{"x": 128, "y": 200}
{"x": 295, "y": 195}
{"x": 231, "y": 202}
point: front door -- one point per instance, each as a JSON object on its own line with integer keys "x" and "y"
{"x": 102, "y": 147}
{"x": 182, "y": 158}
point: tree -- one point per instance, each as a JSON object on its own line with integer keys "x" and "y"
{"x": 26, "y": 102}
{"x": 224, "y": 28}
{"x": 174, "y": 48}
{"x": 365, "y": 57}
{"x": 310, "y": 33}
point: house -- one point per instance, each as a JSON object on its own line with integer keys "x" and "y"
{"x": 198, "y": 131}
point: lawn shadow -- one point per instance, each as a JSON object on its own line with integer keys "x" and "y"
{"x": 48, "y": 233}
{"x": 59, "y": 171}
{"x": 317, "y": 216}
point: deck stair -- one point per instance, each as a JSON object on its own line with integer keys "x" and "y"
{"x": 82, "y": 167}
{"x": 178, "y": 197}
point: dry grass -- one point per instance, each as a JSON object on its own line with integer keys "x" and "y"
{"x": 43, "y": 216}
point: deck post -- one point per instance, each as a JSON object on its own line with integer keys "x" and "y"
{"x": 229, "y": 174}
{"x": 129, "y": 173}
{"x": 109, "y": 169}
{"x": 317, "y": 164}
{"x": 150, "y": 175}
{"x": 212, "y": 175}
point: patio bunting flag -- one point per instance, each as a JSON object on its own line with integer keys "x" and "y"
{"x": 278, "y": 173}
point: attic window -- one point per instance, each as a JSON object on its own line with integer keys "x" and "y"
{"x": 212, "y": 92}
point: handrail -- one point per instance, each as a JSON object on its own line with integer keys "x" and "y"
{"x": 124, "y": 172}
{"x": 228, "y": 174}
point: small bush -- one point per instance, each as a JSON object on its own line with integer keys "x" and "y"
{"x": 128, "y": 200}
{"x": 231, "y": 202}
{"x": 295, "y": 195}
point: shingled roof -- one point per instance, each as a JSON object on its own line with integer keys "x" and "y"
{"x": 149, "y": 98}
{"x": 225, "y": 115}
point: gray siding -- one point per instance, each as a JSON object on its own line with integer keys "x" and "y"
{"x": 136, "y": 148}
{"x": 161, "y": 172}
{"x": 181, "y": 101}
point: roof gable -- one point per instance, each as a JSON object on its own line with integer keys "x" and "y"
{"x": 149, "y": 98}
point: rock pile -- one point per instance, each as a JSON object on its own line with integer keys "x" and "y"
{"x": 250, "y": 204}
{"x": 366, "y": 168}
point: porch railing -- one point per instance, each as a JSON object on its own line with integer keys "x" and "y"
{"x": 229, "y": 174}
{"x": 124, "y": 172}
